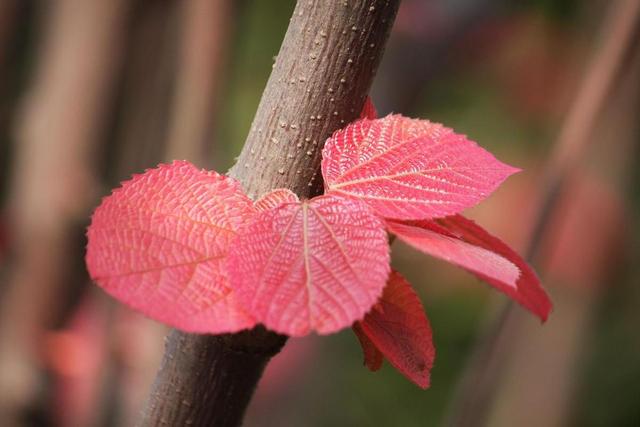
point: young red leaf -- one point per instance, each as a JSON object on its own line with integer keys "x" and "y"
{"x": 399, "y": 329}
{"x": 373, "y": 358}
{"x": 157, "y": 244}
{"x": 409, "y": 169}
{"x": 438, "y": 242}
{"x": 368, "y": 110}
{"x": 464, "y": 243}
{"x": 317, "y": 265}
{"x": 275, "y": 198}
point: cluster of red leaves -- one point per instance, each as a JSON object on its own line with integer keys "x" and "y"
{"x": 187, "y": 247}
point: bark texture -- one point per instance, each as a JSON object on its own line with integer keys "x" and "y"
{"x": 320, "y": 79}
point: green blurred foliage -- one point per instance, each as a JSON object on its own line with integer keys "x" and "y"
{"x": 259, "y": 29}
{"x": 476, "y": 106}
{"x": 562, "y": 11}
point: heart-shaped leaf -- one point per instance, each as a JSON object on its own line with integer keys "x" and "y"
{"x": 317, "y": 265}
{"x": 409, "y": 169}
{"x": 399, "y": 329}
{"x": 157, "y": 244}
{"x": 462, "y": 242}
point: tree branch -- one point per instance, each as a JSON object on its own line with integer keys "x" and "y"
{"x": 319, "y": 82}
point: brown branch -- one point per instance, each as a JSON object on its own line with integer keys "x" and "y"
{"x": 322, "y": 74}
{"x": 481, "y": 378}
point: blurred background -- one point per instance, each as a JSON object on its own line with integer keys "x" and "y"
{"x": 92, "y": 91}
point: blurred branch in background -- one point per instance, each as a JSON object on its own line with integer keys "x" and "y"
{"x": 52, "y": 185}
{"x": 9, "y": 17}
{"x": 582, "y": 263}
{"x": 206, "y": 26}
{"x": 15, "y": 35}
{"x": 97, "y": 94}
{"x": 424, "y": 35}
{"x": 7, "y": 23}
{"x": 143, "y": 108}
{"x": 484, "y": 372}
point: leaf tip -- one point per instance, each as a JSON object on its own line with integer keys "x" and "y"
{"x": 545, "y": 310}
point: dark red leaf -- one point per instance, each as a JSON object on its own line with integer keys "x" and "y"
{"x": 398, "y": 327}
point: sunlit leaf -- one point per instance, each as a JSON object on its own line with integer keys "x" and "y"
{"x": 157, "y": 244}
{"x": 317, "y": 265}
{"x": 408, "y": 168}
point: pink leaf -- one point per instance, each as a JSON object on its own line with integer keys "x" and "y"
{"x": 157, "y": 244}
{"x": 399, "y": 329}
{"x": 275, "y": 198}
{"x": 438, "y": 242}
{"x": 317, "y": 265}
{"x": 464, "y": 243}
{"x": 409, "y": 169}
{"x": 373, "y": 358}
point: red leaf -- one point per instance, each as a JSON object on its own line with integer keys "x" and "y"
{"x": 438, "y": 242}
{"x": 410, "y": 169}
{"x": 275, "y": 198}
{"x": 373, "y": 358}
{"x": 157, "y": 244}
{"x": 464, "y": 243}
{"x": 317, "y": 265}
{"x": 368, "y": 110}
{"x": 399, "y": 329}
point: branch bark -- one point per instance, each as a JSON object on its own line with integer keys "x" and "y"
{"x": 320, "y": 79}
